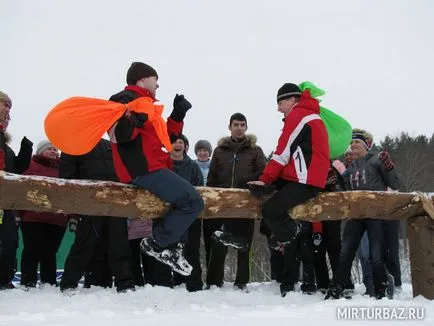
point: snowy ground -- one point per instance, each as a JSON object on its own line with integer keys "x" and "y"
{"x": 222, "y": 307}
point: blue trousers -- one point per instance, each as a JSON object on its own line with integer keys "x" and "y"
{"x": 185, "y": 200}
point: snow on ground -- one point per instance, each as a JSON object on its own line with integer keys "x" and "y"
{"x": 223, "y": 307}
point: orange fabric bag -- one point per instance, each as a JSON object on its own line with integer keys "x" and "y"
{"x": 77, "y": 124}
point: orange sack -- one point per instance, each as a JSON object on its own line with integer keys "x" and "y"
{"x": 77, "y": 124}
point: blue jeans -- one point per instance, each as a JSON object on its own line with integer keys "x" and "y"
{"x": 353, "y": 233}
{"x": 186, "y": 204}
{"x": 363, "y": 254}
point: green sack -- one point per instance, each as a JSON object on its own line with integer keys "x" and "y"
{"x": 338, "y": 129}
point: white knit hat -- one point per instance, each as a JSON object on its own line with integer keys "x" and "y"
{"x": 42, "y": 146}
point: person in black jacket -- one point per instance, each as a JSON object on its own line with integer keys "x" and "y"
{"x": 188, "y": 169}
{"x": 14, "y": 164}
{"x": 93, "y": 231}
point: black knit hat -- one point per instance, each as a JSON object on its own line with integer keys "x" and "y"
{"x": 174, "y": 138}
{"x": 288, "y": 90}
{"x": 203, "y": 144}
{"x": 139, "y": 70}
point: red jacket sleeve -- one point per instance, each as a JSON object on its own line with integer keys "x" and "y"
{"x": 282, "y": 154}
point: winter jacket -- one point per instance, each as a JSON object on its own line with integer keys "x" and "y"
{"x": 233, "y": 163}
{"x": 138, "y": 151}
{"x": 20, "y": 163}
{"x": 95, "y": 165}
{"x": 204, "y": 168}
{"x": 44, "y": 166}
{"x": 368, "y": 173}
{"x": 188, "y": 170}
{"x": 302, "y": 153}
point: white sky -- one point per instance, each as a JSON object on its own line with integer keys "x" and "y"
{"x": 374, "y": 59}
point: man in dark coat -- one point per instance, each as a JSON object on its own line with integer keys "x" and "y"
{"x": 93, "y": 231}
{"x": 236, "y": 160}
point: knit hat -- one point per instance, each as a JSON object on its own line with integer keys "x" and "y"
{"x": 203, "y": 144}
{"x": 364, "y": 136}
{"x": 5, "y": 99}
{"x": 174, "y": 138}
{"x": 139, "y": 70}
{"x": 288, "y": 90}
{"x": 42, "y": 146}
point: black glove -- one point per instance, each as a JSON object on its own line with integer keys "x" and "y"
{"x": 261, "y": 191}
{"x": 73, "y": 222}
{"x": 25, "y": 142}
{"x": 180, "y": 108}
{"x": 138, "y": 119}
{"x": 317, "y": 239}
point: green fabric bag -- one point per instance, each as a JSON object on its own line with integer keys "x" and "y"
{"x": 338, "y": 129}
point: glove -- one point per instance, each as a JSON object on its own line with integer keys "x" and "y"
{"x": 261, "y": 191}
{"x": 386, "y": 160}
{"x": 180, "y": 108}
{"x": 138, "y": 119}
{"x": 331, "y": 180}
{"x": 72, "y": 223}
{"x": 25, "y": 142}
{"x": 317, "y": 239}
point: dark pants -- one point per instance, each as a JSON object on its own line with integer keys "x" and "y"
{"x": 330, "y": 244}
{"x": 391, "y": 242}
{"x": 8, "y": 247}
{"x": 41, "y": 242}
{"x": 353, "y": 233}
{"x": 118, "y": 251}
{"x": 98, "y": 272}
{"x": 275, "y": 210}
{"x": 138, "y": 259}
{"x": 216, "y": 266}
{"x": 303, "y": 247}
{"x": 185, "y": 200}
{"x": 148, "y": 270}
{"x": 192, "y": 254}
{"x": 209, "y": 226}
{"x": 276, "y": 256}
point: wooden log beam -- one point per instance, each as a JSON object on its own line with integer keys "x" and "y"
{"x": 421, "y": 244}
{"x": 116, "y": 199}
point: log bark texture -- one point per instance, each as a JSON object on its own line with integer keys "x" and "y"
{"x": 117, "y": 199}
{"x": 421, "y": 243}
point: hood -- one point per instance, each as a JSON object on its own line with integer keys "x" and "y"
{"x": 308, "y": 102}
{"x": 249, "y": 141}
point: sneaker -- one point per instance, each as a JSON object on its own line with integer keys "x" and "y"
{"x": 229, "y": 240}
{"x": 335, "y": 292}
{"x": 7, "y": 286}
{"x": 172, "y": 256}
{"x": 390, "y": 288}
{"x": 285, "y": 288}
{"x": 307, "y": 288}
{"x": 126, "y": 290}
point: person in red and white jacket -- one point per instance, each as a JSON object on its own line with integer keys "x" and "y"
{"x": 140, "y": 157}
{"x": 298, "y": 168}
